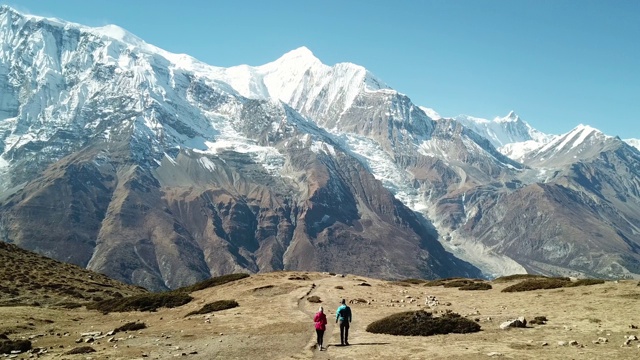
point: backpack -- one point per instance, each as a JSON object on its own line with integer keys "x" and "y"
{"x": 344, "y": 312}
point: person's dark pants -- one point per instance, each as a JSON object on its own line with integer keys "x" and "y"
{"x": 344, "y": 332}
{"x": 320, "y": 334}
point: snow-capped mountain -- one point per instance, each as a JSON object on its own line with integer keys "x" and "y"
{"x": 160, "y": 170}
{"x": 633, "y": 142}
{"x": 503, "y": 131}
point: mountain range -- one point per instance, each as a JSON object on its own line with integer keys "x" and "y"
{"x": 159, "y": 170}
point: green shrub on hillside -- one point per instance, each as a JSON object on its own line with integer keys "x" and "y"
{"x": 585, "y": 282}
{"x": 7, "y": 346}
{"x": 458, "y": 283}
{"x": 422, "y": 323}
{"x": 130, "y": 326}
{"x": 537, "y": 284}
{"x": 215, "y": 281}
{"x": 514, "y": 277}
{"x": 215, "y": 306}
{"x": 144, "y": 302}
{"x": 476, "y": 286}
{"x": 414, "y": 281}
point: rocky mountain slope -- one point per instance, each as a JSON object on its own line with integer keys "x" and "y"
{"x": 159, "y": 170}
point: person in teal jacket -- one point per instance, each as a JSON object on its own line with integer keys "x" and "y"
{"x": 343, "y": 314}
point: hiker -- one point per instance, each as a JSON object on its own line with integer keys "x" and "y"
{"x": 344, "y": 316}
{"x": 321, "y": 321}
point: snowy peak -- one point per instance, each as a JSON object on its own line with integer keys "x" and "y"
{"x": 511, "y": 117}
{"x": 633, "y": 142}
{"x": 301, "y": 56}
{"x": 502, "y": 130}
{"x": 431, "y": 113}
{"x": 583, "y": 142}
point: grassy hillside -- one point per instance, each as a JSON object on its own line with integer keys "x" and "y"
{"x": 27, "y": 278}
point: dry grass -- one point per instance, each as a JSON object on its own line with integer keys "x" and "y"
{"x": 258, "y": 329}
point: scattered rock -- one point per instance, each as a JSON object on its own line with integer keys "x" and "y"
{"x": 520, "y": 322}
{"x": 494, "y": 353}
{"x": 562, "y": 343}
{"x": 81, "y": 350}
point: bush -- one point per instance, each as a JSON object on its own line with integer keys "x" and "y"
{"x": 537, "y": 284}
{"x": 215, "y": 281}
{"x": 422, "y": 323}
{"x": 514, "y": 277}
{"x": 314, "y": 299}
{"x": 7, "y": 346}
{"x": 295, "y": 277}
{"x": 458, "y": 283}
{"x": 414, "y": 281}
{"x": 585, "y": 282}
{"x": 215, "y": 306}
{"x": 538, "y": 320}
{"x": 340, "y": 287}
{"x": 476, "y": 286}
{"x": 81, "y": 350}
{"x": 131, "y": 326}
{"x": 364, "y": 284}
{"x": 143, "y": 302}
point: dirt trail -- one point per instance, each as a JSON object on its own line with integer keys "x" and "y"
{"x": 320, "y": 289}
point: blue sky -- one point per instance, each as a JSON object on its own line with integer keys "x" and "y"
{"x": 556, "y": 63}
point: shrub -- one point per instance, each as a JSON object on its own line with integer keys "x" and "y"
{"x": 7, "y": 346}
{"x": 68, "y": 305}
{"x": 215, "y": 281}
{"x": 585, "y": 282}
{"x": 364, "y": 284}
{"x": 422, "y": 323}
{"x": 458, "y": 283}
{"x": 514, "y": 277}
{"x": 215, "y": 306}
{"x": 476, "y": 286}
{"x": 295, "y": 277}
{"x": 438, "y": 282}
{"x": 400, "y": 283}
{"x": 340, "y": 287}
{"x": 80, "y": 350}
{"x": 414, "y": 281}
{"x": 131, "y": 326}
{"x": 537, "y": 284}
{"x": 143, "y": 302}
{"x": 538, "y": 320}
{"x": 314, "y": 299}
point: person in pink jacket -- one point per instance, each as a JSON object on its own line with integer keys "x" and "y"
{"x": 321, "y": 322}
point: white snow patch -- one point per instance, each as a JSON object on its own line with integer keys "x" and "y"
{"x": 431, "y": 113}
{"x": 207, "y": 164}
{"x": 633, "y": 142}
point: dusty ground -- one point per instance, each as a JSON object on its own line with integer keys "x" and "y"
{"x": 274, "y": 321}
